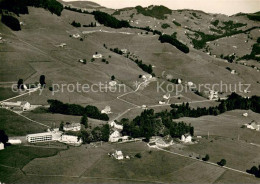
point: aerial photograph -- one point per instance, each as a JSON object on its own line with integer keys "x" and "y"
{"x": 129, "y": 92}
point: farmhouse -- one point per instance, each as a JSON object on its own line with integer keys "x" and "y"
{"x": 70, "y": 139}
{"x": 167, "y": 96}
{"x": 147, "y": 77}
{"x": 245, "y": 114}
{"x": 116, "y": 126}
{"x": 97, "y": 56}
{"x": 162, "y": 102}
{"x": 19, "y": 105}
{"x": 190, "y": 83}
{"x": 62, "y": 45}
{"x": 213, "y": 95}
{"x": 124, "y": 51}
{"x": 72, "y": 127}
{"x": 2, "y": 146}
{"x": 253, "y": 125}
{"x": 107, "y": 110}
{"x": 157, "y": 141}
{"x": 76, "y": 35}
{"x": 186, "y": 138}
{"x": 233, "y": 72}
{"x": 112, "y": 83}
{"x": 119, "y": 155}
{"x": 115, "y": 136}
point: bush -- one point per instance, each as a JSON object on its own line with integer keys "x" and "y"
{"x": 158, "y": 12}
{"x": 138, "y": 155}
{"x": 206, "y": 158}
{"x": 76, "y": 24}
{"x": 176, "y": 23}
{"x": 222, "y": 162}
{"x": 165, "y": 26}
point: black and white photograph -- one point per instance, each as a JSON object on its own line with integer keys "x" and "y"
{"x": 129, "y": 91}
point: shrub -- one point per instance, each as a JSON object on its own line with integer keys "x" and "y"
{"x": 76, "y": 24}
{"x": 222, "y": 162}
{"x": 165, "y": 26}
{"x": 138, "y": 155}
{"x": 206, "y": 158}
{"x": 176, "y": 23}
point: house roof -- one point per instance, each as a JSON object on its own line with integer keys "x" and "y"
{"x": 71, "y": 125}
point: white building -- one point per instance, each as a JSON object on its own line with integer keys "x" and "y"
{"x": 62, "y": 45}
{"x": 112, "y": 83}
{"x": 43, "y": 137}
{"x": 72, "y": 127}
{"x": 167, "y": 96}
{"x": 70, "y": 139}
{"x": 147, "y": 77}
{"x": 76, "y": 35}
{"x": 107, "y": 110}
{"x": 245, "y": 114}
{"x": 2, "y": 146}
{"x": 179, "y": 81}
{"x": 253, "y": 125}
{"x": 190, "y": 83}
{"x": 14, "y": 141}
{"x": 119, "y": 155}
{"x": 213, "y": 95}
{"x": 162, "y": 102}
{"x": 116, "y": 126}
{"x": 124, "y": 51}
{"x": 233, "y": 72}
{"x": 115, "y": 136}
{"x": 97, "y": 56}
{"x": 186, "y": 138}
{"x": 19, "y": 105}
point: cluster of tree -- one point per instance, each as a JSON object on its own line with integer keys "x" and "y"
{"x": 151, "y": 124}
{"x": 176, "y": 23}
{"x": 233, "y": 102}
{"x": 254, "y": 16}
{"x": 173, "y": 41}
{"x": 255, "y": 171}
{"x": 116, "y": 50}
{"x": 109, "y": 20}
{"x": 91, "y": 25}
{"x": 158, "y": 12}
{"x": 195, "y": 15}
{"x": 165, "y": 26}
{"x": 201, "y": 43}
{"x": 215, "y": 23}
{"x": 144, "y": 67}
{"x": 229, "y": 26}
{"x": 229, "y": 58}
{"x": 77, "y": 110}
{"x": 11, "y": 21}
{"x": 21, "y": 6}
{"x": 96, "y": 134}
{"x": 206, "y": 158}
{"x": 3, "y": 137}
{"x": 75, "y": 24}
{"x": 254, "y": 53}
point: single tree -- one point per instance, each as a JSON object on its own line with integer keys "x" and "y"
{"x": 84, "y": 121}
{"x": 222, "y": 162}
{"x": 3, "y": 137}
{"x": 20, "y": 84}
{"x": 206, "y": 158}
{"x": 113, "y": 77}
{"x": 61, "y": 126}
{"x": 42, "y": 80}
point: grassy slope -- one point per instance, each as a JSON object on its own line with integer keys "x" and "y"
{"x": 14, "y": 125}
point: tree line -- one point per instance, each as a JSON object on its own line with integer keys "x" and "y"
{"x": 77, "y": 110}
{"x": 233, "y": 102}
{"x": 173, "y": 41}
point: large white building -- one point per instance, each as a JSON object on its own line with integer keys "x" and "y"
{"x": 119, "y": 155}
{"x": 43, "y": 137}
{"x": 115, "y": 136}
{"x": 116, "y": 126}
{"x": 70, "y": 139}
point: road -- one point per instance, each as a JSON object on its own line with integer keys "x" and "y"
{"x": 206, "y": 162}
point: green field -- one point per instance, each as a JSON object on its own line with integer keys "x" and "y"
{"x": 14, "y": 125}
